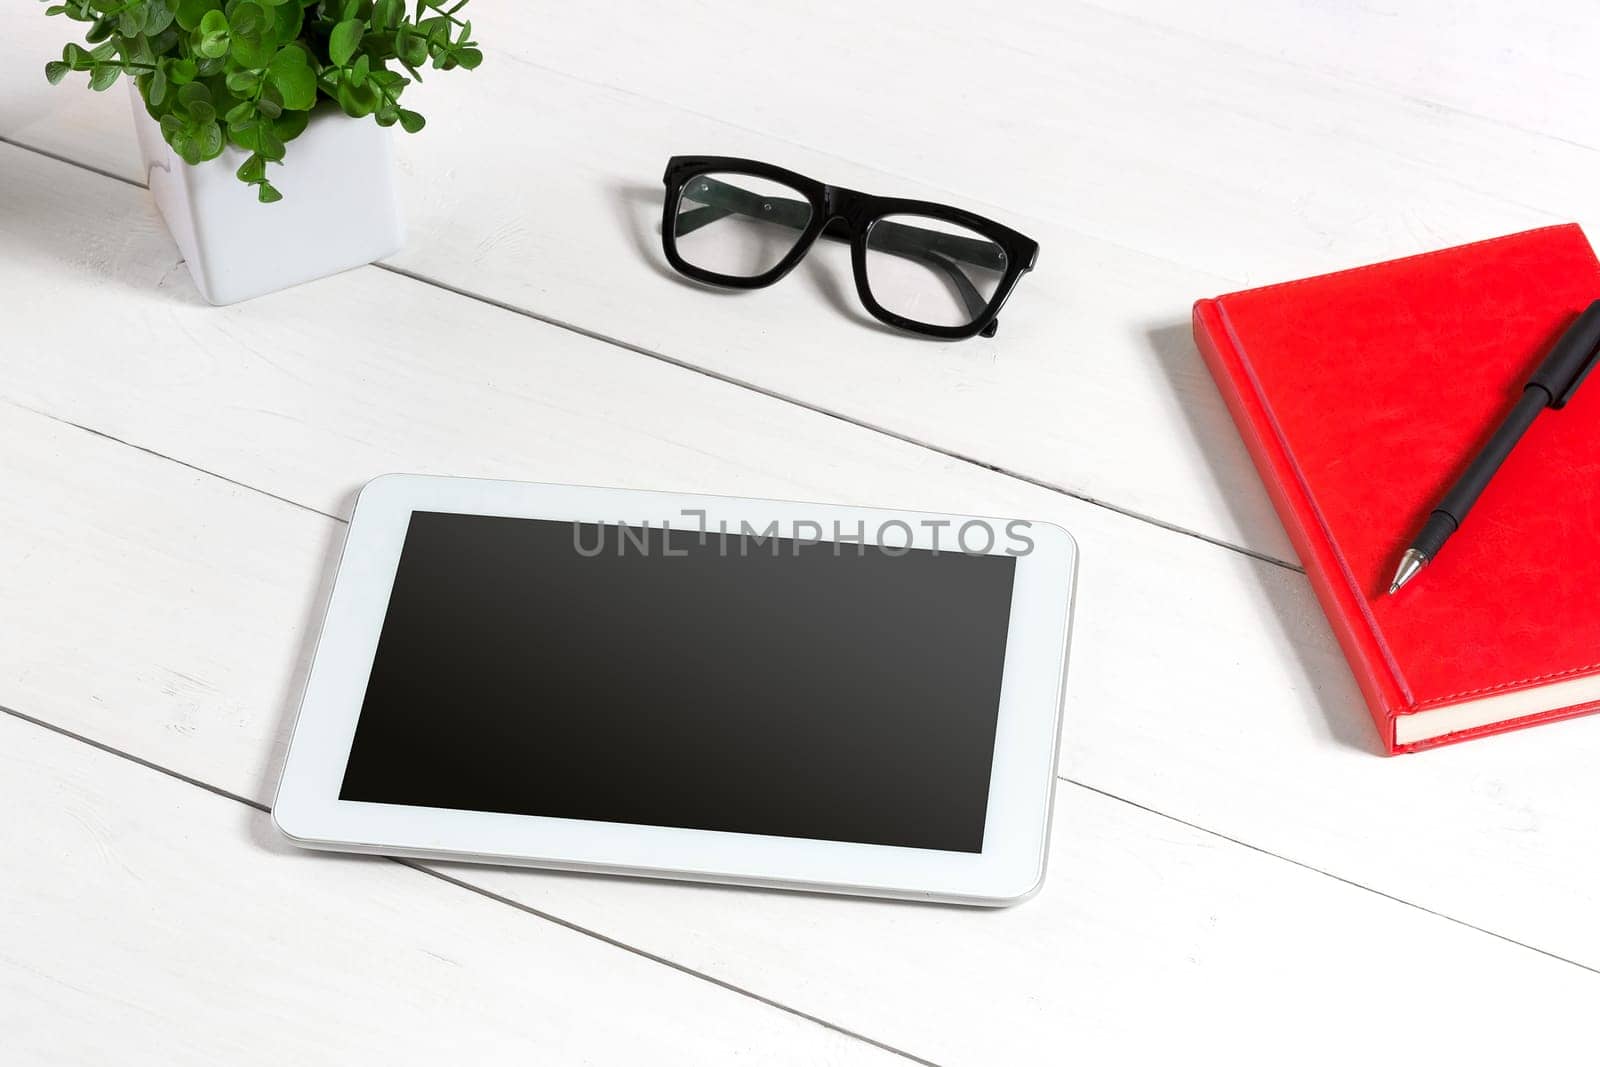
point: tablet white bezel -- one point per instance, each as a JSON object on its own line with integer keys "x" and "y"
{"x": 1010, "y": 867}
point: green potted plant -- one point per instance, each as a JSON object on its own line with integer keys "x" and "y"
{"x": 223, "y": 88}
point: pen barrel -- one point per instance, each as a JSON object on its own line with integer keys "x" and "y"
{"x": 1571, "y": 358}
{"x": 1434, "y": 533}
{"x": 1462, "y": 495}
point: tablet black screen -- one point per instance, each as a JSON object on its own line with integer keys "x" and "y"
{"x": 673, "y": 678}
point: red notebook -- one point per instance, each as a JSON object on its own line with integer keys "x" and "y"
{"x": 1361, "y": 396}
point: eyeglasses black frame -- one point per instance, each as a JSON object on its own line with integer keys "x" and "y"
{"x": 845, "y": 214}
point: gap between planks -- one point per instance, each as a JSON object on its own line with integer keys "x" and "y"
{"x": 725, "y": 379}
{"x": 1069, "y": 781}
{"x": 783, "y": 398}
{"x": 422, "y": 869}
{"x": 671, "y": 361}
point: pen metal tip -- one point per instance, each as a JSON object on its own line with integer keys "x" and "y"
{"x": 1410, "y": 564}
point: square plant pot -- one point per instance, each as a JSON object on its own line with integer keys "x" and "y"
{"x": 339, "y": 209}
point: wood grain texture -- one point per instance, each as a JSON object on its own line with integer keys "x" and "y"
{"x": 1220, "y": 165}
{"x": 1204, "y": 683}
{"x": 145, "y": 921}
{"x": 1159, "y": 152}
{"x": 1222, "y": 158}
{"x": 196, "y": 593}
{"x": 1528, "y": 66}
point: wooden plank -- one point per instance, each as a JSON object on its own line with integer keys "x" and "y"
{"x": 1204, "y": 683}
{"x": 165, "y": 615}
{"x": 145, "y": 921}
{"x": 1529, "y": 66}
{"x": 1217, "y": 158}
{"x": 309, "y": 393}
{"x": 1219, "y": 166}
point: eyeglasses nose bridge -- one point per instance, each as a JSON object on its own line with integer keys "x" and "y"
{"x": 840, "y": 227}
{"x": 846, "y": 213}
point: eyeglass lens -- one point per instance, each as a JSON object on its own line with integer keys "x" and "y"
{"x": 932, "y": 271}
{"x": 738, "y": 225}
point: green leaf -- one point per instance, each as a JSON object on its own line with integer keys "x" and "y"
{"x": 469, "y": 58}
{"x": 182, "y": 72}
{"x": 270, "y": 102}
{"x": 253, "y": 170}
{"x": 99, "y": 31}
{"x": 290, "y": 71}
{"x": 239, "y": 112}
{"x": 269, "y": 144}
{"x": 252, "y": 50}
{"x": 247, "y": 18}
{"x": 138, "y": 50}
{"x": 412, "y": 49}
{"x": 211, "y": 142}
{"x": 104, "y": 76}
{"x": 267, "y": 194}
{"x": 158, "y": 86}
{"x": 158, "y": 16}
{"x": 244, "y": 134}
{"x": 209, "y": 45}
{"x": 287, "y": 19}
{"x": 210, "y": 39}
{"x": 344, "y": 39}
{"x": 196, "y": 104}
{"x": 190, "y": 12}
{"x": 55, "y": 70}
{"x": 360, "y": 70}
{"x": 358, "y": 101}
{"x": 187, "y": 145}
{"x": 243, "y": 82}
{"x": 291, "y": 125}
{"x": 131, "y": 22}
{"x": 388, "y": 79}
{"x": 436, "y": 29}
{"x": 410, "y": 121}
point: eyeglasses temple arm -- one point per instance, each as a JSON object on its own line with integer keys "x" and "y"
{"x": 969, "y": 293}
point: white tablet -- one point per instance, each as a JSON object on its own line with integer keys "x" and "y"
{"x": 749, "y": 691}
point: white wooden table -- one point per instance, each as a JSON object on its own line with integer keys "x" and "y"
{"x": 1235, "y": 870}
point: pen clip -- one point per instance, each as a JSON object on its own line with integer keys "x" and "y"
{"x": 1561, "y": 401}
{"x": 1571, "y": 358}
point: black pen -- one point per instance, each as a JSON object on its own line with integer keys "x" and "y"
{"x": 1551, "y": 386}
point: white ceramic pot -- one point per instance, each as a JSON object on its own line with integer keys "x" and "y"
{"x": 338, "y": 211}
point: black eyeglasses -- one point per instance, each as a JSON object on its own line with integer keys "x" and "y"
{"x": 923, "y": 267}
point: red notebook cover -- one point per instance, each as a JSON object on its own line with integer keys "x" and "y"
{"x": 1362, "y": 395}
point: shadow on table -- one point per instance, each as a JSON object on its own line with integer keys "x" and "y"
{"x": 476, "y": 877}
{"x": 1284, "y": 588}
{"x": 112, "y": 244}
{"x": 294, "y": 682}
